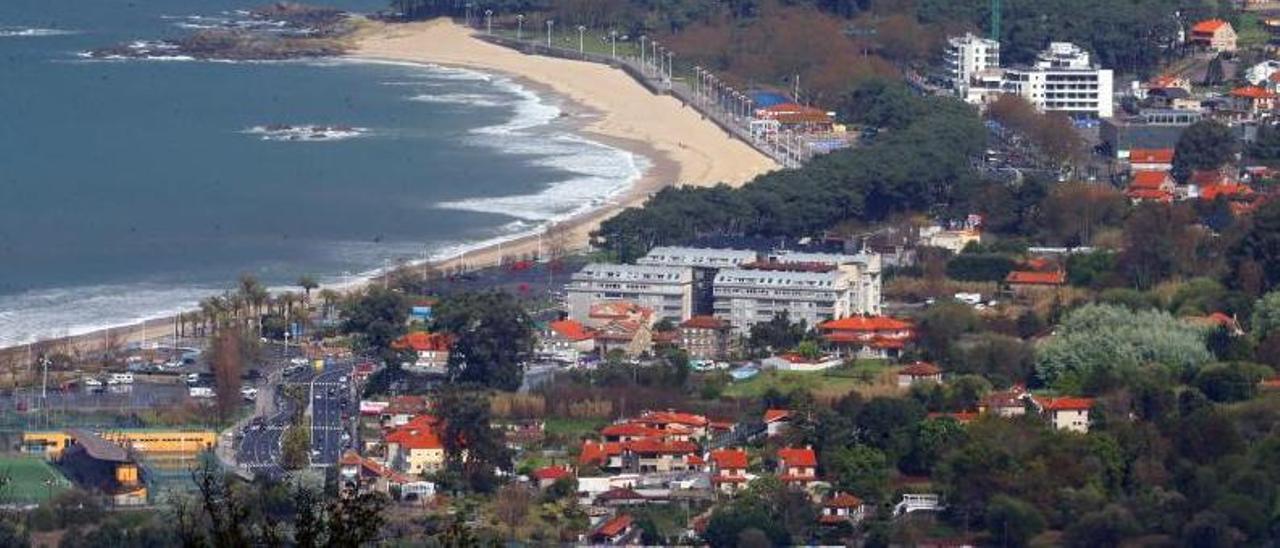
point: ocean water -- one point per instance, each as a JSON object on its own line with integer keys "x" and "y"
{"x": 133, "y": 188}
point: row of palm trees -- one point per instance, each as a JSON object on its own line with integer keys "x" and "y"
{"x": 250, "y": 301}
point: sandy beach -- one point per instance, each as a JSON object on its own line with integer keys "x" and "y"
{"x": 682, "y": 147}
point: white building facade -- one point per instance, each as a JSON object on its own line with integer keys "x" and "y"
{"x": 747, "y": 297}
{"x": 667, "y": 290}
{"x": 863, "y": 269}
{"x": 967, "y": 57}
{"x": 1063, "y": 79}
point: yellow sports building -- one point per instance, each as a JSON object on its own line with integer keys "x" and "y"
{"x": 51, "y": 443}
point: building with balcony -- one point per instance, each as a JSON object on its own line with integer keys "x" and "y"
{"x": 705, "y": 264}
{"x": 1063, "y": 79}
{"x": 667, "y": 290}
{"x": 968, "y": 56}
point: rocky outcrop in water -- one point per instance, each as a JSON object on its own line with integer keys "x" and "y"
{"x": 283, "y": 30}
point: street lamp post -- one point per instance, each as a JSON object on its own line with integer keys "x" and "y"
{"x": 468, "y": 13}
{"x": 581, "y": 47}
{"x": 670, "y": 66}
{"x": 613, "y": 44}
{"x": 642, "y": 39}
{"x": 520, "y": 27}
{"x": 488, "y": 21}
{"x": 550, "y": 23}
{"x": 653, "y": 55}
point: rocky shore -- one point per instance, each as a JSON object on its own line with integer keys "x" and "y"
{"x": 279, "y": 31}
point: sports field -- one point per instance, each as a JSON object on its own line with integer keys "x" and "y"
{"x": 31, "y": 480}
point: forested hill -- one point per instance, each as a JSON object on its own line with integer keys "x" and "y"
{"x": 832, "y": 43}
{"x": 921, "y": 162}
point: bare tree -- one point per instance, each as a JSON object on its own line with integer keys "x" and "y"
{"x": 227, "y": 362}
{"x": 512, "y": 506}
{"x": 556, "y": 241}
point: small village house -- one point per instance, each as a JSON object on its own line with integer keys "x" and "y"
{"x": 431, "y": 349}
{"x": 1066, "y": 413}
{"x": 705, "y": 337}
{"x": 776, "y": 421}
{"x": 1025, "y": 283}
{"x": 918, "y": 372}
{"x": 798, "y": 466}
{"x": 1213, "y": 35}
{"x": 548, "y": 475}
{"x": 615, "y": 530}
{"x": 1150, "y": 186}
{"x": 1005, "y": 403}
{"x": 729, "y": 470}
{"x": 415, "y": 448}
{"x": 1150, "y": 159}
{"x": 842, "y": 508}
{"x": 567, "y": 339}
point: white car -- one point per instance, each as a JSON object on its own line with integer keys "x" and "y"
{"x": 90, "y": 381}
{"x": 300, "y": 361}
{"x": 120, "y": 378}
{"x": 342, "y": 379}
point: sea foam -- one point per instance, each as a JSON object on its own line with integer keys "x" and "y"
{"x": 32, "y": 32}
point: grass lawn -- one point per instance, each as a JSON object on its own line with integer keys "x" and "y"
{"x": 573, "y": 428}
{"x": 27, "y": 479}
{"x": 870, "y": 378}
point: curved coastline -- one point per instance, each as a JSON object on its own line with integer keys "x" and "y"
{"x": 606, "y": 107}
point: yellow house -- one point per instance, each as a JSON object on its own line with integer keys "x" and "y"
{"x": 415, "y": 448}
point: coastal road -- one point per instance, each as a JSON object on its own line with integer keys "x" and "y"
{"x": 331, "y": 397}
{"x": 260, "y": 447}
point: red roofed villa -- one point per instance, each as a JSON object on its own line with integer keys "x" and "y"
{"x": 1066, "y": 413}
{"x": 867, "y": 336}
{"x": 432, "y": 349}
{"x": 1150, "y": 159}
{"x": 842, "y": 508}
{"x": 797, "y": 466}
{"x": 729, "y": 469}
{"x": 1213, "y": 34}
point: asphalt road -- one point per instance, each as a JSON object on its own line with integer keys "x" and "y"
{"x": 331, "y": 398}
{"x": 260, "y": 446}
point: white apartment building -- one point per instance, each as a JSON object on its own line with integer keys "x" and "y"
{"x": 967, "y": 57}
{"x": 697, "y": 257}
{"x": 1063, "y": 79}
{"x": 667, "y": 290}
{"x": 864, "y": 270}
{"x": 705, "y": 262}
{"x": 747, "y": 297}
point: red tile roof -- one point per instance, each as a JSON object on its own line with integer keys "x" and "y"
{"x": 843, "y": 500}
{"x": 694, "y": 460}
{"x": 1208, "y": 26}
{"x": 631, "y": 430}
{"x": 650, "y": 446}
{"x": 920, "y": 369}
{"x": 615, "y": 526}
{"x": 704, "y": 322}
{"x": 620, "y": 493}
{"x": 421, "y": 341}
{"x": 671, "y": 417}
{"x": 1252, "y": 92}
{"x": 571, "y": 330}
{"x": 1229, "y": 190}
{"x": 551, "y": 473}
{"x": 412, "y": 436}
{"x": 1066, "y": 404}
{"x": 1149, "y": 194}
{"x": 598, "y": 453}
{"x": 1205, "y": 177}
{"x": 866, "y": 323}
{"x": 797, "y": 456}
{"x": 962, "y": 417}
{"x": 1151, "y": 156}
{"x": 729, "y": 458}
{"x": 618, "y": 310}
{"x": 775, "y": 415}
{"x": 1150, "y": 179}
{"x": 1036, "y": 278}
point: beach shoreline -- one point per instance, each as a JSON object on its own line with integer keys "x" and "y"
{"x": 615, "y": 110}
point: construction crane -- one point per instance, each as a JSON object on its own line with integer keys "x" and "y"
{"x": 995, "y": 20}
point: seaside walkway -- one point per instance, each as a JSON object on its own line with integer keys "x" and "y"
{"x": 722, "y": 105}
